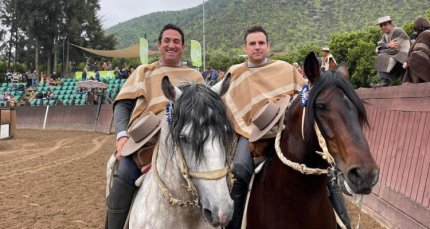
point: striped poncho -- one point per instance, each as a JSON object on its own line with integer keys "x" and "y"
{"x": 144, "y": 84}
{"x": 251, "y": 88}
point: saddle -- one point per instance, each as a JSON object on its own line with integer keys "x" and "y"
{"x": 143, "y": 156}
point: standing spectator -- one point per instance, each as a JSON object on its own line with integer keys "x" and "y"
{"x": 117, "y": 73}
{"x": 34, "y": 78}
{"x": 205, "y": 73}
{"x": 392, "y": 51}
{"x": 418, "y": 63}
{"x": 213, "y": 75}
{"x": 84, "y": 74}
{"x": 328, "y": 61}
{"x": 98, "y": 75}
{"x": 8, "y": 76}
{"x": 28, "y": 79}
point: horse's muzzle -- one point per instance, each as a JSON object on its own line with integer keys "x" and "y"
{"x": 362, "y": 179}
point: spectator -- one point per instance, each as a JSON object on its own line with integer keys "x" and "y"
{"x": 392, "y": 51}
{"x": 34, "y": 78}
{"x": 328, "y": 61}
{"x": 297, "y": 66}
{"x": 8, "y": 76}
{"x": 117, "y": 73}
{"x": 97, "y": 75}
{"x": 84, "y": 74}
{"x": 213, "y": 75}
{"x": 418, "y": 63}
{"x": 205, "y": 73}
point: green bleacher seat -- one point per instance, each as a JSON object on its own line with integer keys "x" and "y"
{"x": 65, "y": 83}
{"x": 65, "y": 101}
{"x": 45, "y": 102}
{"x": 71, "y": 102}
{"x": 52, "y": 102}
{"x": 4, "y": 84}
{"x": 38, "y": 101}
{"x": 78, "y": 96}
{"x": 122, "y": 81}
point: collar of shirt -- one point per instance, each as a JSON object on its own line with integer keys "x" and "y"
{"x": 162, "y": 64}
{"x": 252, "y": 65}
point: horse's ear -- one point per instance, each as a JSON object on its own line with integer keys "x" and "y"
{"x": 222, "y": 86}
{"x": 312, "y": 68}
{"x": 342, "y": 70}
{"x": 171, "y": 92}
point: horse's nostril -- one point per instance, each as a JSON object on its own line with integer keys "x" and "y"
{"x": 208, "y": 214}
{"x": 355, "y": 175}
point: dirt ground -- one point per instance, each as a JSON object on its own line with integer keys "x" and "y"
{"x": 56, "y": 179}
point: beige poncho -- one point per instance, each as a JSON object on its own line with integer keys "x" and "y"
{"x": 144, "y": 84}
{"x": 251, "y": 88}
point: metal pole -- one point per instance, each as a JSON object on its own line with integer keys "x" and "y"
{"x": 204, "y": 39}
{"x": 62, "y": 66}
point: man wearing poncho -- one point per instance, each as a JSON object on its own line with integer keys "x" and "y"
{"x": 140, "y": 95}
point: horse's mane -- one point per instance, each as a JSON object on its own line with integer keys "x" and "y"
{"x": 204, "y": 110}
{"x": 329, "y": 80}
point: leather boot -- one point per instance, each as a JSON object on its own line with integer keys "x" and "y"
{"x": 337, "y": 200}
{"x": 118, "y": 203}
{"x": 238, "y": 194}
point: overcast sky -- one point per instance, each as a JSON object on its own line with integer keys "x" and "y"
{"x": 113, "y": 12}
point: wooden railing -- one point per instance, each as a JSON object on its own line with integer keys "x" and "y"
{"x": 398, "y": 137}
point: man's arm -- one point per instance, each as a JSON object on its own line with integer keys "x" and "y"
{"x": 122, "y": 112}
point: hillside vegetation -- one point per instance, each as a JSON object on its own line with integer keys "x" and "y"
{"x": 290, "y": 23}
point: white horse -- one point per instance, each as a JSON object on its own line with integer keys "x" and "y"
{"x": 187, "y": 186}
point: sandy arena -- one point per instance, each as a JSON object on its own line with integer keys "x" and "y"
{"x": 56, "y": 179}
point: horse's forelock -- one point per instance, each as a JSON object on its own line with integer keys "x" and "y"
{"x": 329, "y": 80}
{"x": 204, "y": 111}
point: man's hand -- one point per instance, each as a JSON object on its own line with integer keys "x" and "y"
{"x": 393, "y": 44}
{"x": 119, "y": 145}
{"x": 405, "y": 65}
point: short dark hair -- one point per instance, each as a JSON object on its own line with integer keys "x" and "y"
{"x": 421, "y": 25}
{"x": 174, "y": 27}
{"x": 255, "y": 29}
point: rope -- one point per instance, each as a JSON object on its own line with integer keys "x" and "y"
{"x": 166, "y": 194}
{"x": 294, "y": 165}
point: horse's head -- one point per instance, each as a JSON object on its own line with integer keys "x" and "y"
{"x": 201, "y": 129}
{"x": 340, "y": 115}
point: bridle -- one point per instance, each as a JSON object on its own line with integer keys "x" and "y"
{"x": 302, "y": 168}
{"x": 226, "y": 171}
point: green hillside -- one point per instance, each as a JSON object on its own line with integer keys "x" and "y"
{"x": 290, "y": 23}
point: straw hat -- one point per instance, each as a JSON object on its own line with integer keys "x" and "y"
{"x": 384, "y": 19}
{"x": 267, "y": 117}
{"x": 141, "y": 131}
{"x": 325, "y": 49}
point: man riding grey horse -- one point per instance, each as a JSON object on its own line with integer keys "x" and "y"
{"x": 140, "y": 95}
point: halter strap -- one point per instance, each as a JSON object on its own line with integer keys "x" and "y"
{"x": 210, "y": 175}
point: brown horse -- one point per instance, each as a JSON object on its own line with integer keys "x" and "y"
{"x": 285, "y": 198}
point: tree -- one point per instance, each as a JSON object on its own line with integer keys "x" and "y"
{"x": 42, "y": 28}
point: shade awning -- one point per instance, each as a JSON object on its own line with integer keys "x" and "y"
{"x": 129, "y": 52}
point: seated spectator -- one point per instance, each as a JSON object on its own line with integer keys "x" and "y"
{"x": 2, "y": 97}
{"x": 418, "y": 63}
{"x": 392, "y": 51}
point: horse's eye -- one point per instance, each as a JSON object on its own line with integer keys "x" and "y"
{"x": 183, "y": 139}
{"x": 321, "y": 107}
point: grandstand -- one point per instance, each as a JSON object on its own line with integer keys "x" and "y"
{"x": 64, "y": 93}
